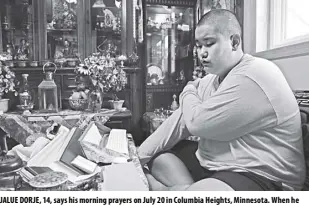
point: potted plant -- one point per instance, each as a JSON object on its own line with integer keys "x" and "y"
{"x": 7, "y": 84}
{"x": 118, "y": 83}
{"x": 103, "y": 75}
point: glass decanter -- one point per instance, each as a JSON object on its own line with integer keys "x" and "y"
{"x": 25, "y": 98}
{"x": 95, "y": 100}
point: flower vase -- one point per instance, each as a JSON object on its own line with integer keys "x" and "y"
{"x": 95, "y": 100}
{"x": 117, "y": 104}
{"x": 4, "y": 104}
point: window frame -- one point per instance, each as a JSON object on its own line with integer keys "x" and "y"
{"x": 298, "y": 46}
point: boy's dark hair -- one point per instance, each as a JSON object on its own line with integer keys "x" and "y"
{"x": 225, "y": 21}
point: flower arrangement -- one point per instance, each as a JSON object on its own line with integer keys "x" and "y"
{"x": 7, "y": 80}
{"x": 102, "y": 73}
{"x": 5, "y": 57}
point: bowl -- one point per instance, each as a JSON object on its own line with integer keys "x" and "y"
{"x": 78, "y": 104}
{"x": 9, "y": 63}
{"x": 117, "y": 105}
{"x": 34, "y": 64}
{"x": 4, "y": 105}
{"x": 49, "y": 181}
{"x": 21, "y": 63}
{"x": 71, "y": 63}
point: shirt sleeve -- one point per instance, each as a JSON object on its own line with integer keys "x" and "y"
{"x": 166, "y": 136}
{"x": 237, "y": 108}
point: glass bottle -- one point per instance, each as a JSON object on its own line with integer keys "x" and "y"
{"x": 95, "y": 100}
{"x": 174, "y": 105}
{"x": 24, "y": 92}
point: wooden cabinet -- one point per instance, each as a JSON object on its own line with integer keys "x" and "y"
{"x": 169, "y": 34}
{"x": 169, "y": 42}
{"x": 67, "y": 29}
{"x": 64, "y": 78}
{"x": 17, "y": 29}
{"x": 64, "y": 31}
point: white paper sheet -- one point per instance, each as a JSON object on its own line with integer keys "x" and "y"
{"x": 122, "y": 177}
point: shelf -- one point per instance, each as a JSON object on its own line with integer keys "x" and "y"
{"x": 19, "y": 69}
{"x": 30, "y": 69}
{"x": 62, "y": 30}
{"x": 164, "y": 88}
{"x": 156, "y": 33}
{"x": 9, "y": 29}
{"x": 104, "y": 33}
{"x": 132, "y": 69}
{"x": 113, "y": 8}
{"x": 109, "y": 32}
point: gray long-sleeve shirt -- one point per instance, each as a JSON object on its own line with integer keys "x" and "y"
{"x": 250, "y": 122}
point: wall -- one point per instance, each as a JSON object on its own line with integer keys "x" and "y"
{"x": 296, "y": 71}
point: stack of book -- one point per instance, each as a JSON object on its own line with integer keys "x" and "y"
{"x": 28, "y": 173}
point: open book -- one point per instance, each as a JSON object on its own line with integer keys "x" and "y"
{"x": 53, "y": 150}
{"x": 59, "y": 154}
{"x": 73, "y": 150}
{"x": 94, "y": 145}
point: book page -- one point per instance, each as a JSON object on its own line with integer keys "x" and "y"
{"x": 92, "y": 135}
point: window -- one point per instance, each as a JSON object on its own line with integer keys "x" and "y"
{"x": 296, "y": 19}
{"x": 279, "y": 25}
{"x": 289, "y": 22}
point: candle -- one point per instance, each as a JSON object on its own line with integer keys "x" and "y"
{"x": 44, "y": 100}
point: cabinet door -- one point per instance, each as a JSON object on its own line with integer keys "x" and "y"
{"x": 63, "y": 36}
{"x": 65, "y": 30}
{"x": 17, "y": 30}
{"x": 169, "y": 37}
{"x": 168, "y": 57}
{"x": 107, "y": 26}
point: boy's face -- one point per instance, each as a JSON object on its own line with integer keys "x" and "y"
{"x": 214, "y": 50}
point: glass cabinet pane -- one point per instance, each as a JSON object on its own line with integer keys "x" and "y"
{"x": 106, "y": 26}
{"x": 169, "y": 41}
{"x": 62, "y": 33}
{"x": 16, "y": 30}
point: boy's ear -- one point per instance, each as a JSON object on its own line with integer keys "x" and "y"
{"x": 235, "y": 39}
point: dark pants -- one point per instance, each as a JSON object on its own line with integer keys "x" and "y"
{"x": 239, "y": 181}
